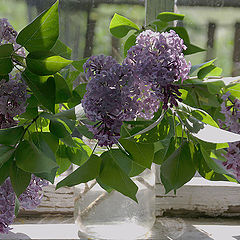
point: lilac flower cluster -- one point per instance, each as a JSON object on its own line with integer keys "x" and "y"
{"x": 7, "y": 206}
{"x": 110, "y": 97}
{"x": 9, "y": 35}
{"x": 117, "y": 93}
{"x": 13, "y": 96}
{"x": 157, "y": 61}
{"x": 232, "y": 124}
{"x": 29, "y": 199}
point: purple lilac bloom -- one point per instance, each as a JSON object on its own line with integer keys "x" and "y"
{"x": 109, "y": 99}
{"x": 31, "y": 197}
{"x": 232, "y": 124}
{"x": 13, "y": 96}
{"x": 157, "y": 61}
{"x": 7, "y": 206}
{"x": 9, "y": 35}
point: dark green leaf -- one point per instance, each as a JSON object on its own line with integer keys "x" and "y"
{"x": 142, "y": 153}
{"x": 19, "y": 179}
{"x": 77, "y": 95}
{"x": 169, "y": 16}
{"x": 10, "y": 136}
{"x": 178, "y": 168}
{"x": 79, "y": 64}
{"x": 191, "y": 49}
{"x": 43, "y": 88}
{"x": 120, "y": 158}
{"x": 120, "y": 26}
{"x": 63, "y": 93}
{"x": 6, "y": 64}
{"x": 159, "y": 25}
{"x": 131, "y": 41}
{"x": 4, "y": 170}
{"x": 30, "y": 159}
{"x": 58, "y": 129}
{"x": 6, "y": 153}
{"x": 113, "y": 176}
{"x": 61, "y": 49}
{"x": 42, "y": 33}
{"x": 85, "y": 132}
{"x": 45, "y": 63}
{"x": 88, "y": 171}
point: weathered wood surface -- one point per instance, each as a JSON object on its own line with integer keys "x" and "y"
{"x": 197, "y": 198}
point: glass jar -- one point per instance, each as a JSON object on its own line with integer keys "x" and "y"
{"x": 102, "y": 215}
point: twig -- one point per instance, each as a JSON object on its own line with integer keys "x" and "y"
{"x": 95, "y": 203}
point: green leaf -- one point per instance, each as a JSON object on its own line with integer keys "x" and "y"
{"x": 62, "y": 159}
{"x": 63, "y": 93}
{"x": 31, "y": 109}
{"x": 210, "y": 70}
{"x": 45, "y": 63}
{"x": 169, "y": 16}
{"x": 120, "y": 26}
{"x": 10, "y": 136}
{"x": 77, "y": 95}
{"x": 46, "y": 143}
{"x": 4, "y": 170}
{"x": 61, "y": 49}
{"x": 113, "y": 176}
{"x": 6, "y": 153}
{"x": 43, "y": 88}
{"x": 234, "y": 90}
{"x": 88, "y": 171}
{"x": 30, "y": 159}
{"x": 6, "y": 64}
{"x": 210, "y": 162}
{"x": 214, "y": 87}
{"x": 142, "y": 153}
{"x": 159, "y": 25}
{"x": 42, "y": 33}
{"x": 131, "y": 41}
{"x": 120, "y": 158}
{"x": 19, "y": 179}
{"x": 85, "y": 132}
{"x": 202, "y": 65}
{"x": 17, "y": 206}
{"x": 79, "y": 64}
{"x": 191, "y": 49}
{"x": 178, "y": 168}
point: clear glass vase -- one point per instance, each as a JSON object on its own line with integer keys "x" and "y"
{"x": 102, "y": 215}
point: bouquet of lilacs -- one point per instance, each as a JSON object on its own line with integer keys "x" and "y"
{"x": 144, "y": 110}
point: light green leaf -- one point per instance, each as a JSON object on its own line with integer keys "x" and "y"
{"x": 6, "y": 64}
{"x": 88, "y": 171}
{"x": 169, "y": 16}
{"x": 120, "y": 26}
{"x": 202, "y": 65}
{"x": 210, "y": 70}
{"x": 42, "y": 33}
{"x": 45, "y": 63}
